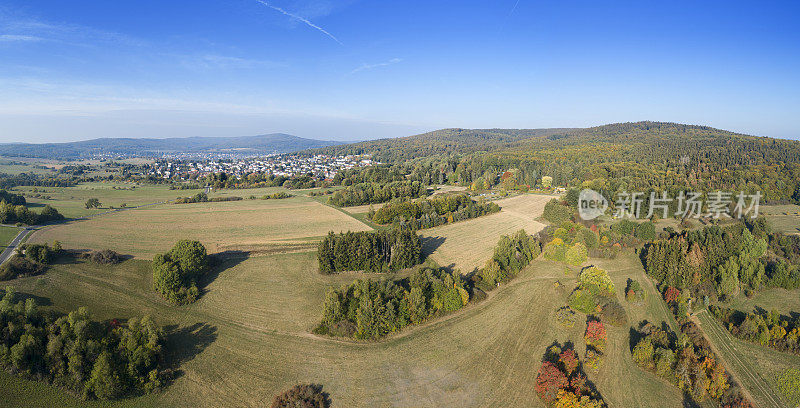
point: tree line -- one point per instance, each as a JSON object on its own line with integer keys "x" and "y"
{"x": 687, "y": 362}
{"x": 717, "y": 262}
{"x": 89, "y": 358}
{"x": 373, "y": 193}
{"x": 511, "y": 255}
{"x": 203, "y": 198}
{"x": 373, "y": 251}
{"x": 432, "y": 212}
{"x": 369, "y": 309}
{"x": 770, "y": 329}
{"x": 12, "y": 214}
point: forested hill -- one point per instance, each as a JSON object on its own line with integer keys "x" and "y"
{"x": 625, "y": 156}
{"x": 444, "y": 141}
{"x": 256, "y": 145}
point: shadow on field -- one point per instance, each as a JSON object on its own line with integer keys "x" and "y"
{"x": 430, "y": 244}
{"x": 184, "y": 344}
{"x": 19, "y": 296}
{"x": 220, "y": 261}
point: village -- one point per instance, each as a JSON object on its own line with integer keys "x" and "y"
{"x": 321, "y": 166}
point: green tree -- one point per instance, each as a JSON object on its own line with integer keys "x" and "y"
{"x": 104, "y": 381}
{"x": 92, "y": 203}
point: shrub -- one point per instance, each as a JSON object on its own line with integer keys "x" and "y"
{"x": 576, "y": 254}
{"x": 302, "y": 396}
{"x": 17, "y": 266}
{"x": 634, "y": 293}
{"x": 549, "y": 381}
{"x": 105, "y": 257}
{"x": 566, "y": 316}
{"x": 562, "y": 383}
{"x": 595, "y": 335}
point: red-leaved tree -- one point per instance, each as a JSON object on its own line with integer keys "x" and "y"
{"x": 549, "y": 381}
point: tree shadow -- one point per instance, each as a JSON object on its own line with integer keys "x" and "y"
{"x": 689, "y": 402}
{"x": 430, "y": 244}
{"x": 219, "y": 262}
{"x": 21, "y": 297}
{"x": 183, "y": 344}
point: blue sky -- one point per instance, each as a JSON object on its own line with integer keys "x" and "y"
{"x": 353, "y": 70}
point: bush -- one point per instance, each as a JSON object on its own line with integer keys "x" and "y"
{"x": 176, "y": 272}
{"x": 566, "y": 316}
{"x": 105, "y": 257}
{"x": 634, "y": 293}
{"x": 302, "y": 396}
{"x": 18, "y": 266}
{"x": 576, "y": 254}
{"x": 561, "y": 382}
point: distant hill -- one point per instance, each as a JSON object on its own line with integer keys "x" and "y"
{"x": 261, "y": 144}
{"x": 443, "y": 141}
{"x": 638, "y": 156}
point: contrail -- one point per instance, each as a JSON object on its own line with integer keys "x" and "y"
{"x": 298, "y": 18}
{"x": 380, "y": 64}
{"x": 508, "y": 16}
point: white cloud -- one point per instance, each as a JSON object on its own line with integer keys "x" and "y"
{"x": 19, "y": 38}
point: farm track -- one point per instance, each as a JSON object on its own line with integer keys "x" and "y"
{"x": 736, "y": 365}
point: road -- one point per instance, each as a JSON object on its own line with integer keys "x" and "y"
{"x": 14, "y": 243}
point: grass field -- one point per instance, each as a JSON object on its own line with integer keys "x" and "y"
{"x": 7, "y": 234}
{"x": 783, "y": 218}
{"x": 756, "y": 367}
{"x": 248, "y": 338}
{"x": 220, "y": 226}
{"x": 70, "y": 201}
{"x": 468, "y": 244}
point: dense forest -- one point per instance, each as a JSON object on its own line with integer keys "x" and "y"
{"x": 432, "y": 212}
{"x": 716, "y": 262}
{"x": 642, "y": 156}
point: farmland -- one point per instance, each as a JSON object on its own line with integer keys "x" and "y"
{"x": 250, "y": 337}
{"x": 467, "y": 245}
{"x": 783, "y": 218}
{"x": 70, "y": 201}
{"x": 220, "y": 226}
{"x": 6, "y": 235}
